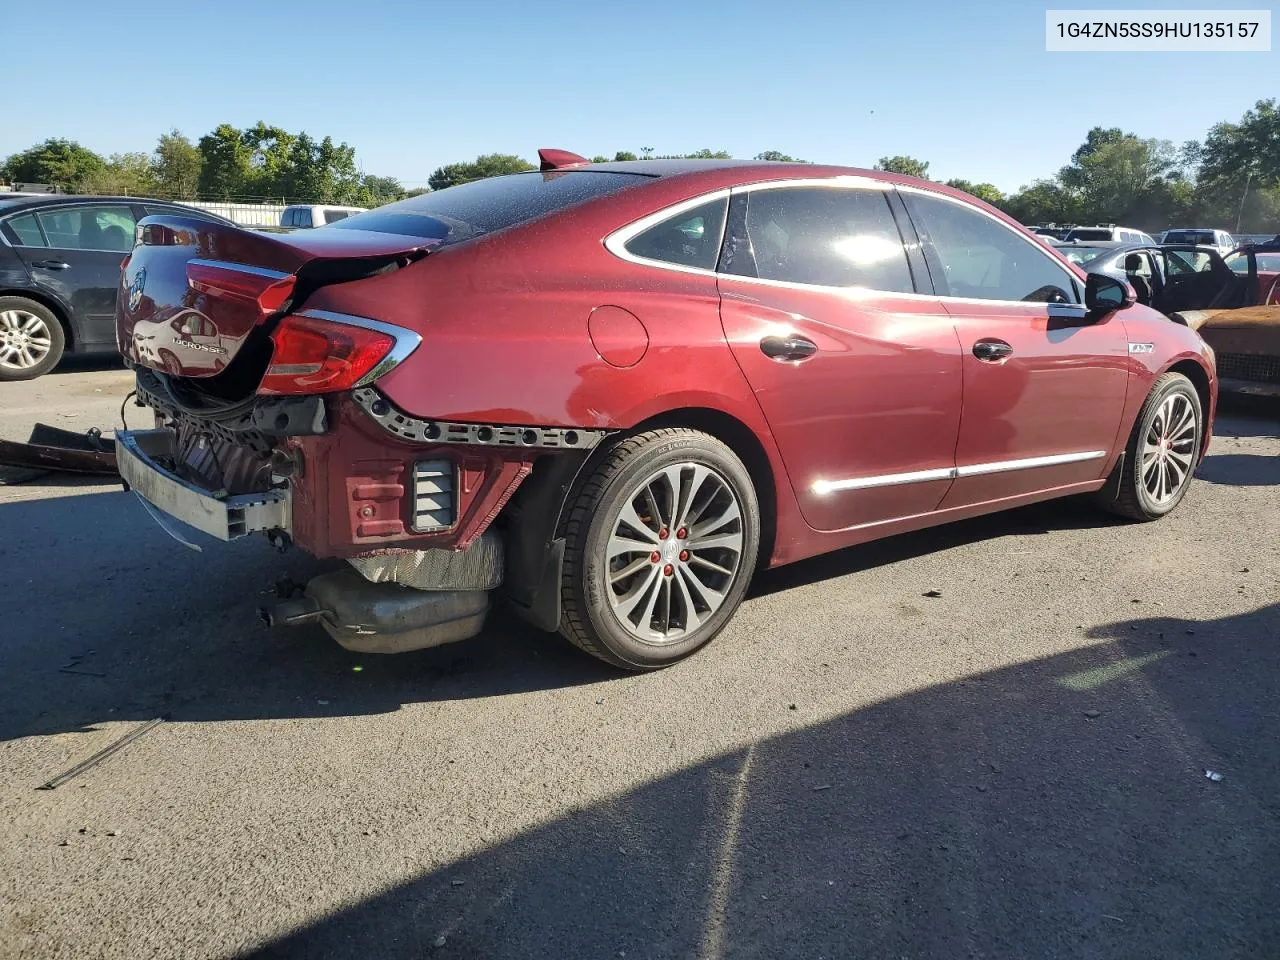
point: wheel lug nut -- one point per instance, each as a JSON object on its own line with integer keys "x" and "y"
{"x": 681, "y": 533}
{"x": 655, "y": 557}
{"x": 684, "y": 556}
{"x": 668, "y": 570}
{"x": 664, "y": 533}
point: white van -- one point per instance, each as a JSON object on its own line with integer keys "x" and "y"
{"x": 315, "y": 215}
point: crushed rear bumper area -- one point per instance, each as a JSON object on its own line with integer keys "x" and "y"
{"x": 141, "y": 456}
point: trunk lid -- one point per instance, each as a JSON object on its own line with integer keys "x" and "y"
{"x": 198, "y": 299}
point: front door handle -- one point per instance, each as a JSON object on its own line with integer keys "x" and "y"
{"x": 992, "y": 350}
{"x": 788, "y": 348}
{"x": 51, "y": 264}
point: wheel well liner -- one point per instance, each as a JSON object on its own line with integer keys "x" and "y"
{"x": 532, "y": 519}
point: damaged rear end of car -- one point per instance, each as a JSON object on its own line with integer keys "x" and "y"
{"x": 269, "y": 420}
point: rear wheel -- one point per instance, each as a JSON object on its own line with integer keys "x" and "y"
{"x": 1161, "y": 455}
{"x": 31, "y": 339}
{"x": 660, "y": 544}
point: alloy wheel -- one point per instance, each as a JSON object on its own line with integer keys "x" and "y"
{"x": 674, "y": 552}
{"x": 25, "y": 339}
{"x": 1168, "y": 449}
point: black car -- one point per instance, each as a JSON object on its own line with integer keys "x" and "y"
{"x": 1171, "y": 278}
{"x": 60, "y": 262}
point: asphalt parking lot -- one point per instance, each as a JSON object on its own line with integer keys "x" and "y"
{"x": 1013, "y": 768}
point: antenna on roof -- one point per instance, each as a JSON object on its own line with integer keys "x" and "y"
{"x": 552, "y": 159}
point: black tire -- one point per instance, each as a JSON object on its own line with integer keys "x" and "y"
{"x": 1132, "y": 498}
{"x": 57, "y": 339}
{"x": 588, "y": 619}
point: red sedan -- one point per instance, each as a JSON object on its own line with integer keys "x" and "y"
{"x": 611, "y": 392}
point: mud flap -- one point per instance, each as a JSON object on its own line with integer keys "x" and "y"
{"x": 1111, "y": 489}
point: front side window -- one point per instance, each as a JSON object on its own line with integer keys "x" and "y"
{"x": 985, "y": 260}
{"x": 823, "y": 236}
{"x": 1186, "y": 262}
{"x": 89, "y": 228}
{"x": 26, "y": 230}
{"x": 688, "y": 239}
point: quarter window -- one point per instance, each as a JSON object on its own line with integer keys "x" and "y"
{"x": 27, "y": 230}
{"x": 824, "y": 236}
{"x": 982, "y": 259}
{"x": 689, "y": 239}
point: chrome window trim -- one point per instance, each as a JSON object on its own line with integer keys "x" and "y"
{"x": 616, "y": 242}
{"x": 954, "y": 473}
{"x": 1038, "y": 246}
{"x": 406, "y": 341}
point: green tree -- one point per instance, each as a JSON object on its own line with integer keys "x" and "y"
{"x": 63, "y": 163}
{"x": 908, "y": 166}
{"x": 983, "y": 191}
{"x": 1045, "y": 201}
{"x": 622, "y": 155}
{"x": 777, "y": 156}
{"x": 227, "y": 169}
{"x": 375, "y": 191}
{"x": 271, "y": 160}
{"x": 1122, "y": 178}
{"x": 1239, "y": 169}
{"x": 175, "y": 167}
{"x": 124, "y": 175}
{"x": 486, "y": 165}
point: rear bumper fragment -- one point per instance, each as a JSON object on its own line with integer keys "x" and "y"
{"x": 138, "y": 453}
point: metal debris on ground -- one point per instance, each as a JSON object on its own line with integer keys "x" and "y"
{"x": 101, "y": 755}
{"x": 1213, "y": 775}
{"x": 932, "y": 593}
{"x": 54, "y": 450}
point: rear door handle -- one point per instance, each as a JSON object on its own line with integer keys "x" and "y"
{"x": 51, "y": 264}
{"x": 992, "y": 350}
{"x": 788, "y": 348}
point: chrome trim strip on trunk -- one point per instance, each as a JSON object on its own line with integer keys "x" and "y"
{"x": 241, "y": 267}
{"x": 953, "y": 473}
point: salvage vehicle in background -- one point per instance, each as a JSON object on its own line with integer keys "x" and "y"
{"x": 1233, "y": 302}
{"x": 1219, "y": 240}
{"x": 308, "y": 215}
{"x": 611, "y": 392}
{"x": 1108, "y": 233}
{"x": 59, "y": 273}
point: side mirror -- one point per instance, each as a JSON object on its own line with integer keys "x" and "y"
{"x": 1102, "y": 294}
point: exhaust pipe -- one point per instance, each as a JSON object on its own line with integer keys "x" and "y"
{"x": 291, "y": 613}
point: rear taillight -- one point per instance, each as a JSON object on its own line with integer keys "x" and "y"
{"x": 314, "y": 354}
{"x": 269, "y": 289}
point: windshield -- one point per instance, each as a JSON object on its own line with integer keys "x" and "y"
{"x": 482, "y": 206}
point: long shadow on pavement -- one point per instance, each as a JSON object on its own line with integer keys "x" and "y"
{"x": 1058, "y": 808}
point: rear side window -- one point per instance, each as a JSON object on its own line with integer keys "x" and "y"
{"x": 26, "y": 230}
{"x": 89, "y": 228}
{"x": 823, "y": 236}
{"x": 984, "y": 260}
{"x": 302, "y": 217}
{"x": 333, "y": 216}
{"x": 483, "y": 206}
{"x": 690, "y": 239}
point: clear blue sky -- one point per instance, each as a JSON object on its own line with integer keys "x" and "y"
{"x": 414, "y": 85}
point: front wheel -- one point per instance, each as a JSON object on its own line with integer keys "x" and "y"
{"x": 1161, "y": 455}
{"x": 660, "y": 545}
